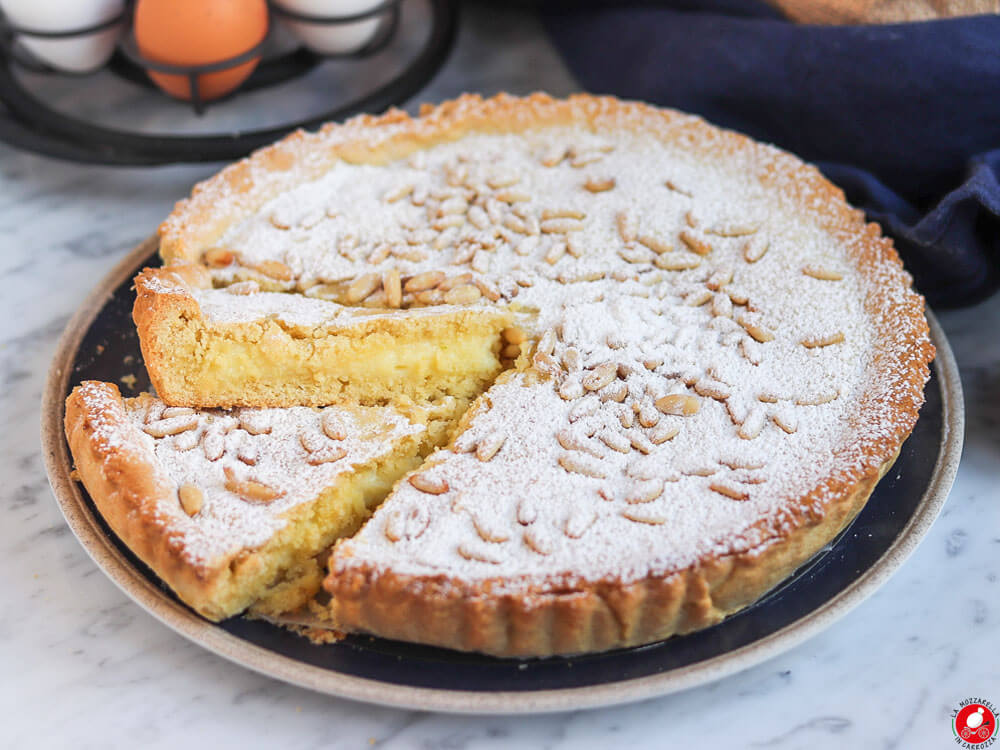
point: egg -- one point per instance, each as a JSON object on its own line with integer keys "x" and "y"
{"x": 336, "y": 38}
{"x": 77, "y": 54}
{"x": 199, "y": 32}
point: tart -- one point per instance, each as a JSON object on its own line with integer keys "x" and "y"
{"x": 709, "y": 359}
{"x": 234, "y": 508}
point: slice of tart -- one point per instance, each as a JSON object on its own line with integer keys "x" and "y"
{"x": 232, "y": 507}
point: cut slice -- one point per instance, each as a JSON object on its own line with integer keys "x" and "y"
{"x": 231, "y": 507}
{"x": 226, "y": 347}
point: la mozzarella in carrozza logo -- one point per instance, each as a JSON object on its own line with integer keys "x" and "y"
{"x": 974, "y": 724}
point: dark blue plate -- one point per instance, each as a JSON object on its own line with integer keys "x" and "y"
{"x": 104, "y": 346}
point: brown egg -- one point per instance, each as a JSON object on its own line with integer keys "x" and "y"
{"x": 198, "y": 32}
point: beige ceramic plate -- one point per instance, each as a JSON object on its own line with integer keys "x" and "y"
{"x": 100, "y": 342}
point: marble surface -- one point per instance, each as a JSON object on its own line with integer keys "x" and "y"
{"x": 83, "y": 666}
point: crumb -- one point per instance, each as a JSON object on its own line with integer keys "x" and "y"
{"x": 128, "y": 359}
{"x": 99, "y": 348}
{"x": 74, "y": 475}
{"x": 317, "y": 636}
{"x": 128, "y": 380}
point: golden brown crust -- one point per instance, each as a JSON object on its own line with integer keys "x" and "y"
{"x": 156, "y": 305}
{"x": 569, "y": 616}
{"x": 122, "y": 480}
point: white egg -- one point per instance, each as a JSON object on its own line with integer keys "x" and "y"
{"x": 332, "y": 39}
{"x": 78, "y": 54}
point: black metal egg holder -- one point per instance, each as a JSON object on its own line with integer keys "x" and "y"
{"x": 129, "y": 47}
{"x": 31, "y": 124}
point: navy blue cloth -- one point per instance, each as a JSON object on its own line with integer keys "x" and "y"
{"x": 905, "y": 118}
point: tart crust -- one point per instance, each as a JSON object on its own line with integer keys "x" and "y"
{"x": 122, "y": 480}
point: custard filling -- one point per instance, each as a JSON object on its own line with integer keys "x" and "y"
{"x": 379, "y": 362}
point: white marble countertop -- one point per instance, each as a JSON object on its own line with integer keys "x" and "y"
{"x": 83, "y": 666}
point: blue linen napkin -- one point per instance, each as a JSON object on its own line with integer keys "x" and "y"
{"x": 905, "y": 117}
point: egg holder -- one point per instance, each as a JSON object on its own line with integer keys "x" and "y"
{"x": 28, "y": 123}
{"x": 129, "y": 48}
